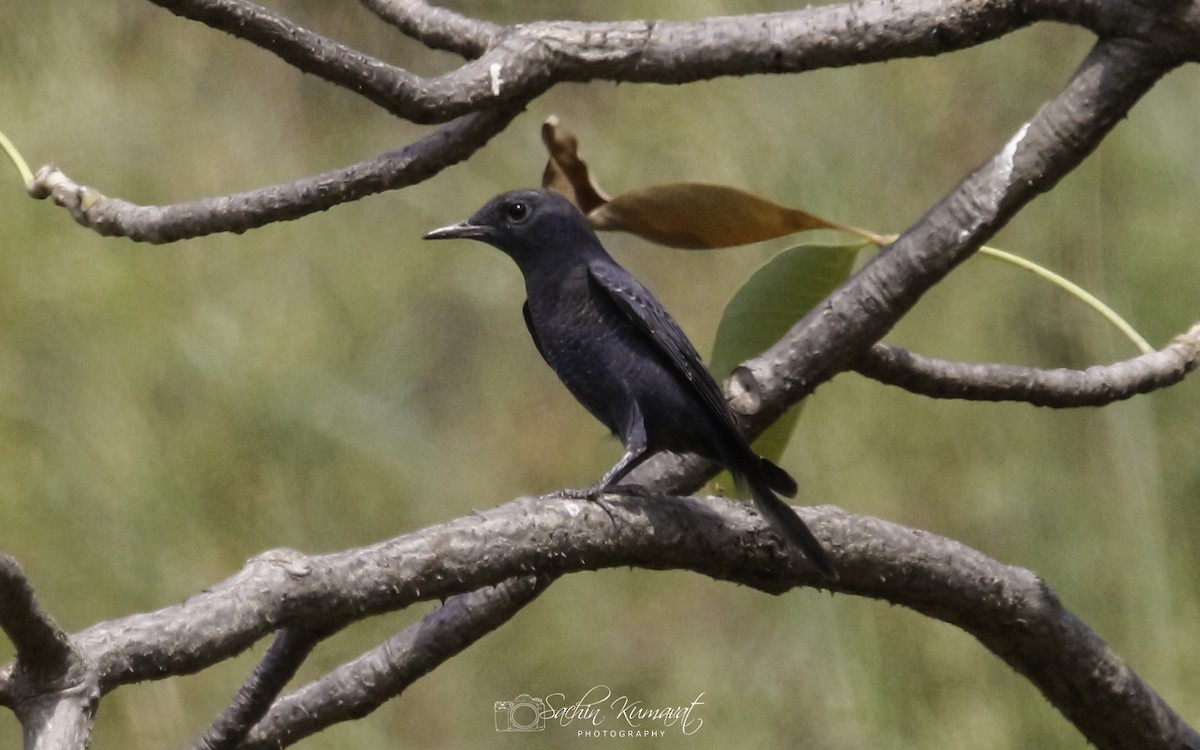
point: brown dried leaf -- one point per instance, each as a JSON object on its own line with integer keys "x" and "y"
{"x": 684, "y": 214}
{"x": 700, "y": 216}
{"x": 565, "y": 172}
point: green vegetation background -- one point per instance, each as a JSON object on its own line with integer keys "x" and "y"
{"x": 168, "y": 412}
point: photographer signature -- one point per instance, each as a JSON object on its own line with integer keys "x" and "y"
{"x": 598, "y": 704}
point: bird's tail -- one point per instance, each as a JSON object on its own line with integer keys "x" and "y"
{"x": 777, "y": 479}
{"x": 794, "y": 530}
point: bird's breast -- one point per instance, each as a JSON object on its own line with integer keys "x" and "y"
{"x": 590, "y": 344}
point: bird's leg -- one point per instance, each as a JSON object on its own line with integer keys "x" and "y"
{"x": 636, "y": 452}
{"x": 608, "y": 482}
{"x": 621, "y": 469}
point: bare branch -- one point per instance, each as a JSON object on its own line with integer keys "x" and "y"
{"x": 357, "y": 688}
{"x": 290, "y": 649}
{"x": 1059, "y": 388}
{"x": 1058, "y": 137}
{"x": 520, "y": 62}
{"x": 48, "y": 686}
{"x": 830, "y": 338}
{"x": 418, "y": 161}
{"x": 56, "y": 681}
{"x": 306, "y": 50}
{"x": 43, "y": 649}
{"x": 60, "y": 720}
{"x": 1007, "y": 609}
{"x": 437, "y": 28}
{"x": 525, "y": 60}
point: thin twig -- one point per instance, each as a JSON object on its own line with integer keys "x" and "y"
{"x": 437, "y": 28}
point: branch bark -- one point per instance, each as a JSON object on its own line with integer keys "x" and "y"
{"x": 1008, "y": 609}
{"x": 519, "y": 62}
{"x": 43, "y": 649}
{"x": 240, "y": 212}
{"x": 358, "y": 687}
{"x": 49, "y": 685}
{"x": 437, "y": 28}
{"x": 289, "y": 650}
{"x": 1059, "y": 388}
{"x": 837, "y": 333}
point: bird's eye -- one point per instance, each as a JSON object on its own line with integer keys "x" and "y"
{"x": 517, "y": 212}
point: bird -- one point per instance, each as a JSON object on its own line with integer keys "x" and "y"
{"x": 621, "y": 355}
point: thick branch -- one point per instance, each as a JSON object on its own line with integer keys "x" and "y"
{"x": 1095, "y": 386}
{"x": 359, "y": 687}
{"x": 520, "y": 62}
{"x": 523, "y": 61}
{"x": 833, "y": 336}
{"x": 1059, "y": 136}
{"x": 1007, "y": 609}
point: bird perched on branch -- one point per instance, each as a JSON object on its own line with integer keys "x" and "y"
{"x": 620, "y": 354}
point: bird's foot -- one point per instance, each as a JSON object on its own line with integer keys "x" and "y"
{"x": 632, "y": 490}
{"x": 594, "y": 494}
{"x": 577, "y": 493}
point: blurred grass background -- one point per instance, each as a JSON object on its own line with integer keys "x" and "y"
{"x": 168, "y": 412}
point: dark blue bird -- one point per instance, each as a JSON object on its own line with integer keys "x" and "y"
{"x": 619, "y": 352}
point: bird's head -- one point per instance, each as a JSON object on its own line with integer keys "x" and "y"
{"x": 528, "y": 225}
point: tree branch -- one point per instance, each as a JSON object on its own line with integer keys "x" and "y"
{"x": 357, "y": 688}
{"x": 519, "y": 62}
{"x": 834, "y": 336}
{"x": 289, "y": 650}
{"x": 415, "y": 163}
{"x": 48, "y": 685}
{"x": 43, "y": 649}
{"x": 1059, "y": 388}
{"x": 1008, "y": 609}
{"x": 1060, "y": 135}
{"x": 523, "y": 61}
{"x": 437, "y": 28}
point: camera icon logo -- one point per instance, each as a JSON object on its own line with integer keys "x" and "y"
{"x": 521, "y": 714}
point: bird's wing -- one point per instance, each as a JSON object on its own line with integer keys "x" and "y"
{"x": 532, "y": 331}
{"x": 648, "y": 316}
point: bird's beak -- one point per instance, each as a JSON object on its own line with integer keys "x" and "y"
{"x": 464, "y": 230}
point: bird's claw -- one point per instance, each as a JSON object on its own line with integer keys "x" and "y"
{"x": 632, "y": 490}
{"x": 594, "y": 494}
{"x": 577, "y": 493}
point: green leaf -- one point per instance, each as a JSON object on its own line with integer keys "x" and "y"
{"x": 770, "y": 303}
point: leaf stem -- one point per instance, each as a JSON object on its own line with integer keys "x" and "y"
{"x": 1079, "y": 292}
{"x": 17, "y": 160}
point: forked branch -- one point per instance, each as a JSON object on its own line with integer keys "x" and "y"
{"x": 483, "y": 562}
